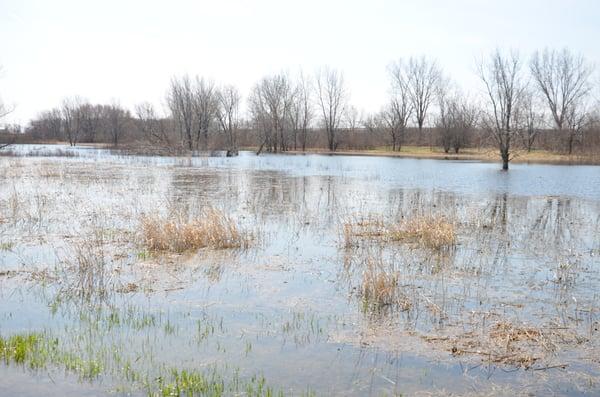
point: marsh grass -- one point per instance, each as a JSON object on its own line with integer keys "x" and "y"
{"x": 40, "y": 351}
{"x": 431, "y": 232}
{"x": 380, "y": 287}
{"x": 211, "y": 229}
{"x": 37, "y": 351}
{"x": 86, "y": 274}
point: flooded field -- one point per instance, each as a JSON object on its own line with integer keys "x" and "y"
{"x": 296, "y": 275}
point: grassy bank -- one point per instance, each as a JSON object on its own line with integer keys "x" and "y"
{"x": 472, "y": 154}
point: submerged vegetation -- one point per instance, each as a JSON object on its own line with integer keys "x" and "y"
{"x": 37, "y": 351}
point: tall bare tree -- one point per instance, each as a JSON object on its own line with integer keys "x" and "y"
{"x": 116, "y": 120}
{"x": 72, "y": 119}
{"x": 205, "y": 107}
{"x": 228, "y": 115}
{"x": 332, "y": 96}
{"x": 181, "y": 100}
{"x": 420, "y": 77}
{"x": 396, "y": 115}
{"x": 270, "y": 104}
{"x": 563, "y": 79}
{"x": 302, "y": 110}
{"x": 504, "y": 84}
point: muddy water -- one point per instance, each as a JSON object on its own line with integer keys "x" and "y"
{"x": 288, "y": 308}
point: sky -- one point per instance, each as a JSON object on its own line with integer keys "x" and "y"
{"x": 127, "y": 51}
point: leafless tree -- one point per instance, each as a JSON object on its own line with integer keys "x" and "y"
{"x": 564, "y": 81}
{"x": 151, "y": 125}
{"x": 504, "y": 83}
{"x": 420, "y": 77}
{"x": 89, "y": 120}
{"x": 530, "y": 120}
{"x": 456, "y": 119}
{"x": 332, "y": 96}
{"x": 181, "y": 101}
{"x": 396, "y": 115}
{"x": 71, "y": 118}
{"x": 270, "y": 105}
{"x": 47, "y": 125}
{"x": 54, "y": 118}
{"x": 577, "y": 119}
{"x": 116, "y": 120}
{"x": 228, "y": 115}
{"x": 301, "y": 112}
{"x": 205, "y": 107}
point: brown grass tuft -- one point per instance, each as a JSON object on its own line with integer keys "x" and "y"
{"x": 433, "y": 232}
{"x": 212, "y": 229}
{"x": 379, "y": 287}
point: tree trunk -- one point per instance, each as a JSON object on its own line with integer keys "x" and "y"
{"x": 505, "y": 158}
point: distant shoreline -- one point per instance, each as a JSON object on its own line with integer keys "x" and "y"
{"x": 488, "y": 155}
{"x": 484, "y": 155}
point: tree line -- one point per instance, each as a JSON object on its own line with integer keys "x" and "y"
{"x": 542, "y": 100}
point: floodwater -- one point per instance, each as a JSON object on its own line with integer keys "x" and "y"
{"x": 289, "y": 308}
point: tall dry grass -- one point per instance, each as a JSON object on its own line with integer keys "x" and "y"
{"x": 428, "y": 231}
{"x": 211, "y": 229}
{"x": 379, "y": 287}
{"x": 432, "y": 232}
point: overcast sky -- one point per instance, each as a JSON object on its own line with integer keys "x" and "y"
{"x": 128, "y": 50}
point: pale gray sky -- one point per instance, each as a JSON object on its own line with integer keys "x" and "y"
{"x": 128, "y": 50}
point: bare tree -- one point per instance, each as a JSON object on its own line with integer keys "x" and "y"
{"x": 332, "y": 96}
{"x": 399, "y": 109}
{"x": 504, "y": 84}
{"x": 228, "y": 109}
{"x": 116, "y": 119}
{"x": 72, "y": 119}
{"x": 151, "y": 124}
{"x": 456, "y": 119}
{"x": 205, "y": 107}
{"x": 47, "y": 125}
{"x": 301, "y": 110}
{"x": 181, "y": 101}
{"x": 270, "y": 105}
{"x": 530, "y": 120}
{"x": 89, "y": 119}
{"x": 420, "y": 77}
{"x": 577, "y": 119}
{"x": 564, "y": 81}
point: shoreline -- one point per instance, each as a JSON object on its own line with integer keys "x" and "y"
{"x": 488, "y": 156}
{"x": 415, "y": 152}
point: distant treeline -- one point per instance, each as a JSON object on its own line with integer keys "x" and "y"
{"x": 544, "y": 102}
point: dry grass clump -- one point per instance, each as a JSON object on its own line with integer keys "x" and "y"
{"x": 379, "y": 287}
{"x": 432, "y": 232}
{"x": 212, "y": 229}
